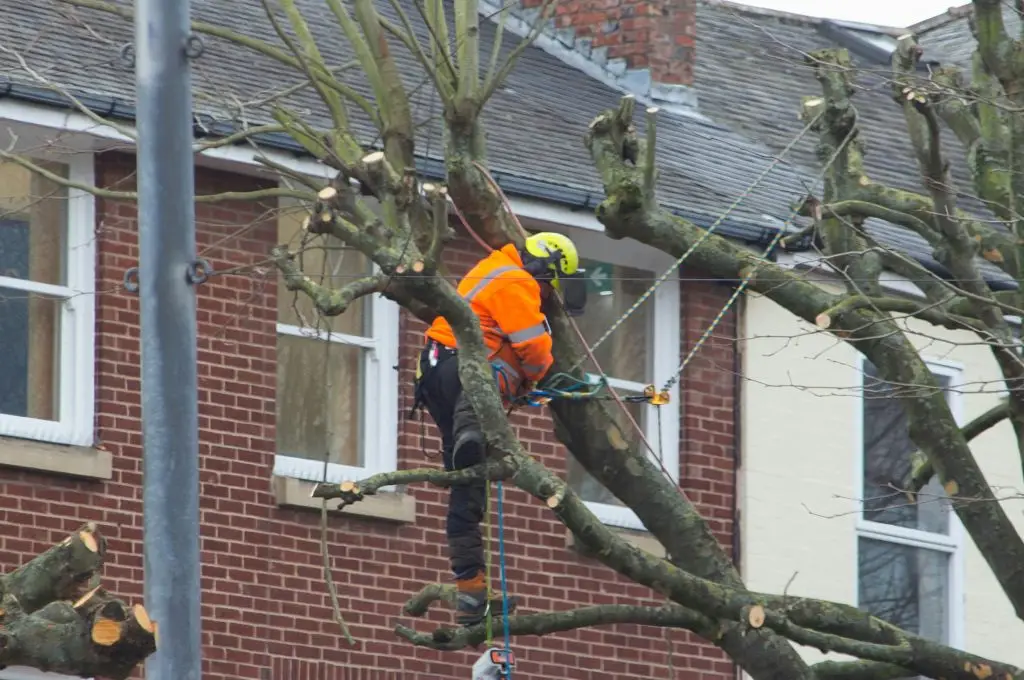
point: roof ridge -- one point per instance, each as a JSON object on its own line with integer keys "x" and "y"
{"x": 801, "y": 18}
{"x": 764, "y": 11}
{"x": 950, "y": 15}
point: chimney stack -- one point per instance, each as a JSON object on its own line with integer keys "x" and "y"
{"x": 648, "y": 44}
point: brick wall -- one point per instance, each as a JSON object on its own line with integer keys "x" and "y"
{"x": 654, "y": 34}
{"x": 265, "y": 606}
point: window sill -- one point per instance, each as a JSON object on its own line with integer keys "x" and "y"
{"x": 399, "y": 508}
{"x": 638, "y": 539}
{"x": 72, "y": 461}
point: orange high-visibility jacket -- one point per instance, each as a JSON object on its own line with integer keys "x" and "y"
{"x": 507, "y": 300}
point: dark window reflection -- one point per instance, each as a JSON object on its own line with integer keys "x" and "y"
{"x": 887, "y": 461}
{"x": 906, "y": 586}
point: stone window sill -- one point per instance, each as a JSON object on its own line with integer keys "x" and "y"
{"x": 399, "y": 508}
{"x": 83, "y": 462}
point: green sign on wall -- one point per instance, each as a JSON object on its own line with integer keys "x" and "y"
{"x": 599, "y": 277}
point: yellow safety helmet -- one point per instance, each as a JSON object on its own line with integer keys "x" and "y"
{"x": 543, "y": 247}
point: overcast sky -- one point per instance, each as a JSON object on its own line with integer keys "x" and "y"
{"x": 883, "y": 12}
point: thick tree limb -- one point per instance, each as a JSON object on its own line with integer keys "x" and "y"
{"x": 867, "y": 209}
{"x": 352, "y": 492}
{"x": 449, "y": 638}
{"x": 994, "y": 44}
{"x": 335, "y": 301}
{"x": 857, "y": 670}
{"x": 904, "y": 306}
{"x": 329, "y": 301}
{"x": 985, "y": 136}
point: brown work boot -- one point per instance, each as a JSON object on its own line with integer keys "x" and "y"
{"x": 471, "y": 604}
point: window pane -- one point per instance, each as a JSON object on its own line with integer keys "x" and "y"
{"x": 29, "y": 372}
{"x": 887, "y": 452}
{"x": 906, "y": 586}
{"x": 580, "y": 481}
{"x": 611, "y": 290}
{"x": 328, "y": 262}
{"x": 33, "y": 224}
{"x": 310, "y": 419}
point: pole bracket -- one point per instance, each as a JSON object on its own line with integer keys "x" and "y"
{"x": 198, "y": 271}
{"x": 131, "y": 280}
{"x": 194, "y": 46}
{"x": 127, "y": 55}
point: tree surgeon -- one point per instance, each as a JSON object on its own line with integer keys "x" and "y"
{"x": 506, "y": 290}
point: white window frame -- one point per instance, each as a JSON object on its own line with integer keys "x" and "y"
{"x": 951, "y": 544}
{"x": 76, "y": 356}
{"x": 379, "y": 395}
{"x": 664, "y": 345}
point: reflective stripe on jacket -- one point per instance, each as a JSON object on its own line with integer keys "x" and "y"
{"x": 507, "y": 300}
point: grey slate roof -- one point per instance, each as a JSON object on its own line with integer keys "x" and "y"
{"x": 535, "y": 124}
{"x": 749, "y": 82}
{"x": 750, "y": 75}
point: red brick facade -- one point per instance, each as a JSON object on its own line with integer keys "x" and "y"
{"x": 266, "y": 609}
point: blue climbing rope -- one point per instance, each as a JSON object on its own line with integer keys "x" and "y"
{"x": 504, "y": 584}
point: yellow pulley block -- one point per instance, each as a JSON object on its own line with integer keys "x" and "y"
{"x": 654, "y": 397}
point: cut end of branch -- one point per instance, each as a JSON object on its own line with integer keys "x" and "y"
{"x": 105, "y": 632}
{"x": 993, "y": 255}
{"x": 88, "y": 538}
{"x": 823, "y": 321}
{"x": 756, "y": 616}
{"x": 142, "y": 617}
{"x": 84, "y": 600}
{"x": 327, "y": 193}
{"x": 373, "y": 158}
{"x": 555, "y": 499}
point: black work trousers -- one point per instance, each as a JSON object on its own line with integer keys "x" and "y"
{"x": 441, "y": 393}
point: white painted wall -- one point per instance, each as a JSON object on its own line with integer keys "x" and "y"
{"x": 799, "y": 481}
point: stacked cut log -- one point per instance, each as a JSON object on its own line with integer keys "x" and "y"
{"x": 55, "y": 616}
